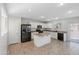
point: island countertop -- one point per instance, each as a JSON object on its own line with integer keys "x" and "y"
{"x": 57, "y": 31}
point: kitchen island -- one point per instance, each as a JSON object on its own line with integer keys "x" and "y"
{"x": 56, "y": 34}
{"x": 41, "y": 39}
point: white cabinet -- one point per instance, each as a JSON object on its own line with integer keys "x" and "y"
{"x": 54, "y": 35}
{"x": 41, "y": 40}
{"x": 65, "y": 36}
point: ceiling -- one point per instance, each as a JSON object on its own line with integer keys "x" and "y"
{"x": 43, "y": 11}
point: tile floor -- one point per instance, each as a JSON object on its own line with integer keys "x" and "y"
{"x": 56, "y": 47}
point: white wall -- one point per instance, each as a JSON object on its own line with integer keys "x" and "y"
{"x": 33, "y": 23}
{"x": 65, "y": 24}
{"x": 14, "y": 30}
{"x": 0, "y": 20}
{"x": 3, "y": 45}
{"x": 3, "y": 30}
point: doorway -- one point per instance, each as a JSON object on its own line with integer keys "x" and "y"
{"x": 74, "y": 32}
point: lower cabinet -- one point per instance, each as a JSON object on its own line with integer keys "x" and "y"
{"x": 54, "y": 35}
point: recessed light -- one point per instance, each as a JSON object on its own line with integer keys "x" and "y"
{"x": 29, "y": 10}
{"x": 61, "y": 4}
{"x": 69, "y": 12}
{"x": 56, "y": 18}
{"x": 42, "y": 16}
{"x": 48, "y": 19}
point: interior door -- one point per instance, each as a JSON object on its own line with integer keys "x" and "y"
{"x": 14, "y": 30}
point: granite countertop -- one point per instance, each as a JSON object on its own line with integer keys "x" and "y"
{"x": 58, "y": 31}
{"x": 51, "y": 30}
{"x": 41, "y": 34}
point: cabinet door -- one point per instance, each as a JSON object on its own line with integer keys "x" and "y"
{"x": 54, "y": 35}
{"x": 14, "y": 30}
